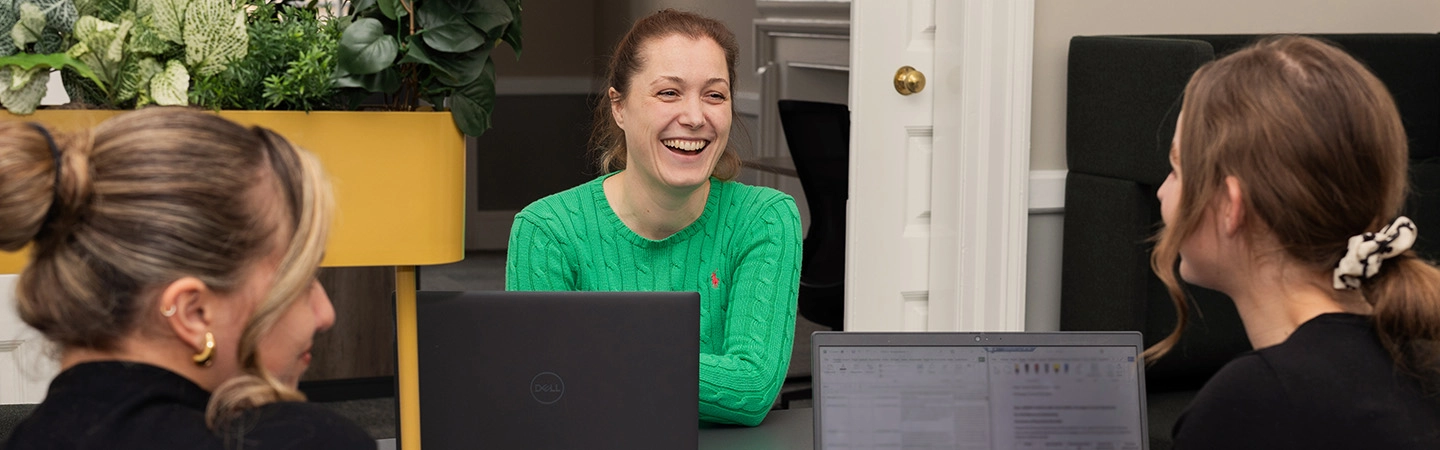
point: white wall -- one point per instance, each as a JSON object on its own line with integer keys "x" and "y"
{"x": 25, "y": 363}
{"x": 1056, "y": 21}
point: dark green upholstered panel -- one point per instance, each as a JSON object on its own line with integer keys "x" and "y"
{"x": 1124, "y": 96}
{"x": 1408, "y": 64}
{"x": 10, "y": 417}
{"x": 1107, "y": 284}
{"x": 1423, "y": 207}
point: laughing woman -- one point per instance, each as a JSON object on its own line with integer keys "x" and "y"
{"x": 667, "y": 217}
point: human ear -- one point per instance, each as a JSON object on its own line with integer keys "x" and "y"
{"x": 1232, "y": 207}
{"x": 184, "y": 304}
{"x": 615, "y": 107}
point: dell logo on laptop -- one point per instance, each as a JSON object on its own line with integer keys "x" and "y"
{"x": 547, "y": 388}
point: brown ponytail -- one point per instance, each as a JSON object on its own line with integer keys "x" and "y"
{"x": 1406, "y": 299}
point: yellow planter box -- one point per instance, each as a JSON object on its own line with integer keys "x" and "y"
{"x": 399, "y": 180}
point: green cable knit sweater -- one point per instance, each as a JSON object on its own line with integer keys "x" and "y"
{"x": 742, "y": 255}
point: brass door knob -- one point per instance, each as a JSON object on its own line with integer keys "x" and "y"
{"x": 909, "y": 81}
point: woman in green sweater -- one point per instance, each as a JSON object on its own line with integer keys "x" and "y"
{"x": 667, "y": 217}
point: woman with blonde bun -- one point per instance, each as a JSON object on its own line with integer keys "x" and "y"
{"x": 173, "y": 262}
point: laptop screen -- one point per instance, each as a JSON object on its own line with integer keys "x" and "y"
{"x": 1017, "y": 394}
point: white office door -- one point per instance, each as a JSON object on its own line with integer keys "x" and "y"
{"x": 937, "y": 217}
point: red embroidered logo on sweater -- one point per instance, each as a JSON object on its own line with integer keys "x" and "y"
{"x": 714, "y": 280}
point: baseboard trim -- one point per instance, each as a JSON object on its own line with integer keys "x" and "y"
{"x": 1047, "y": 191}
{"x": 348, "y": 389}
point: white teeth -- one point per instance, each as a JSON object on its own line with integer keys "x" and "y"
{"x": 684, "y": 144}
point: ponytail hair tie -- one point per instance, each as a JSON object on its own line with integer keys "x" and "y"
{"x": 1367, "y": 250}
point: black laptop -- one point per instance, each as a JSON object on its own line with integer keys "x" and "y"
{"x": 559, "y": 370}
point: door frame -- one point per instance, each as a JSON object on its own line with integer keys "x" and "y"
{"x": 979, "y": 170}
{"x": 981, "y": 264}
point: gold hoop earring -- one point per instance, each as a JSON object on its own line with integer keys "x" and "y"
{"x": 206, "y": 357}
{"x": 168, "y": 312}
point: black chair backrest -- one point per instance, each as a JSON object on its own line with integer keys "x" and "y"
{"x": 818, "y": 135}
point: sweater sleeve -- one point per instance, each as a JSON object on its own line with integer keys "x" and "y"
{"x": 535, "y": 260}
{"x": 739, "y": 385}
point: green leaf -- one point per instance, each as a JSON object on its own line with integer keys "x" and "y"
{"x": 8, "y": 17}
{"x": 109, "y": 10}
{"x": 168, "y": 87}
{"x": 50, "y": 42}
{"x": 513, "y": 32}
{"x": 28, "y": 28}
{"x": 144, "y": 8}
{"x": 60, "y": 15}
{"x": 445, "y": 30}
{"x": 29, "y": 61}
{"x": 86, "y": 7}
{"x": 490, "y": 16}
{"x": 359, "y": 7}
{"x": 472, "y": 104}
{"x": 365, "y": 48}
{"x": 168, "y": 17}
{"x": 146, "y": 40}
{"x": 214, "y": 36}
{"x": 94, "y": 36}
{"x": 116, "y": 51}
{"x": 386, "y": 81}
{"x": 451, "y": 69}
{"x": 135, "y": 77}
{"x": 23, "y": 99}
{"x": 390, "y": 8}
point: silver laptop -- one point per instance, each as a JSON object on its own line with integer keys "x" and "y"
{"x": 562, "y": 370}
{"x": 979, "y": 391}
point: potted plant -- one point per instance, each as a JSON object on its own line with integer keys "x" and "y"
{"x": 427, "y": 62}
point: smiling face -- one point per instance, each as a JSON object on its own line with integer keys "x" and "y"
{"x": 284, "y": 349}
{"x": 676, "y": 112}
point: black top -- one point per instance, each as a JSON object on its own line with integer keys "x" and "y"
{"x": 1330, "y": 385}
{"x": 123, "y": 405}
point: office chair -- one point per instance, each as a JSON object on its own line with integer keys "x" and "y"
{"x": 818, "y": 135}
{"x": 819, "y": 138}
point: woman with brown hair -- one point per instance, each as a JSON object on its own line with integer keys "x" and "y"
{"x": 666, "y": 216}
{"x": 1289, "y": 171}
{"x": 173, "y": 261}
